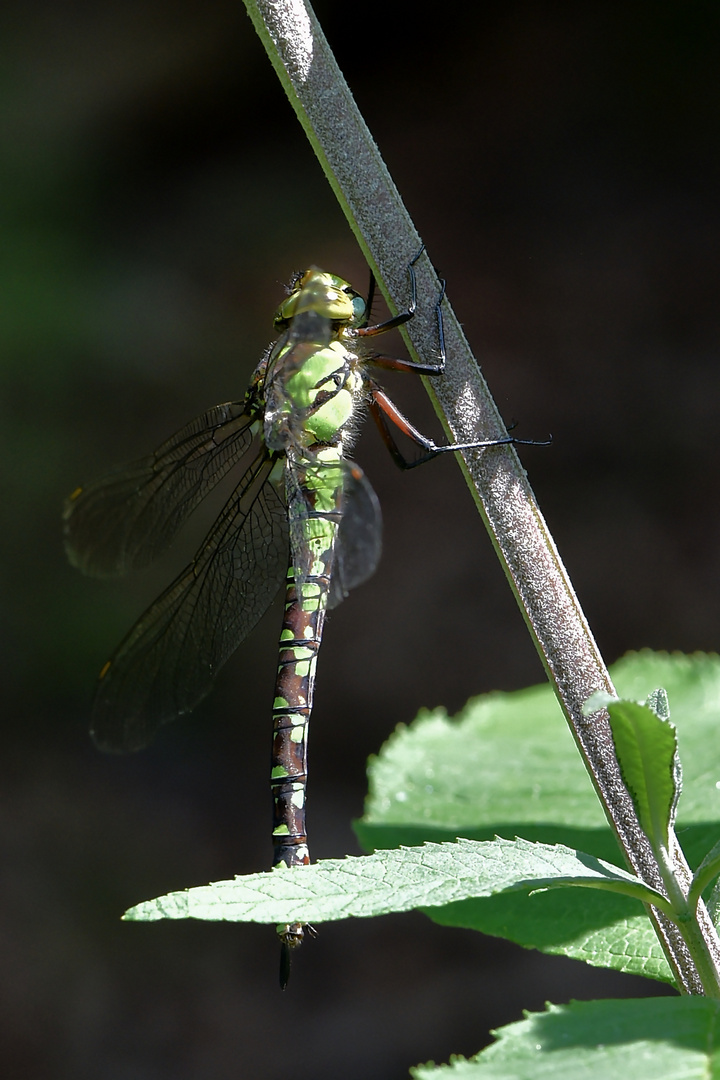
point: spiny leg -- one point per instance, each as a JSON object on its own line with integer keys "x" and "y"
{"x": 395, "y": 320}
{"x": 384, "y": 412}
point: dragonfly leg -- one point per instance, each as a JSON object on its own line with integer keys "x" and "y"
{"x": 404, "y": 316}
{"x": 393, "y": 363}
{"x": 384, "y": 412}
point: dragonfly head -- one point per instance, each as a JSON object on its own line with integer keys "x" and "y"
{"x": 325, "y": 294}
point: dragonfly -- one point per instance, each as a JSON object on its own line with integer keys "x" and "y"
{"x": 302, "y": 513}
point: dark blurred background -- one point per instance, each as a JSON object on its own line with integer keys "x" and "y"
{"x": 561, "y": 164}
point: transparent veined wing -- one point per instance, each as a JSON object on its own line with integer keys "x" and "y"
{"x": 128, "y": 518}
{"x": 359, "y": 541}
{"x": 169, "y": 660}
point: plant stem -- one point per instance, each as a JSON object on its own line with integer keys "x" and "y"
{"x": 322, "y": 100}
{"x": 684, "y": 914}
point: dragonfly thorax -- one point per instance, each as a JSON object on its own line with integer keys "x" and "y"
{"x": 312, "y": 390}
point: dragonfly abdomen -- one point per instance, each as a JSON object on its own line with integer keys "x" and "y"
{"x": 300, "y": 638}
{"x": 314, "y": 490}
{"x": 305, "y": 607}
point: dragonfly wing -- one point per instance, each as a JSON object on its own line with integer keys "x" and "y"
{"x": 170, "y": 658}
{"x": 127, "y": 519}
{"x": 359, "y": 540}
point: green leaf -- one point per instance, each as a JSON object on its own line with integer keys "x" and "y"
{"x": 646, "y": 748}
{"x": 507, "y": 764}
{"x": 650, "y": 1039}
{"x": 593, "y": 927}
{"x": 389, "y": 881}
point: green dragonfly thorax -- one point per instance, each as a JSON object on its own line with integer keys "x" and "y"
{"x": 313, "y": 382}
{"x": 311, "y": 402}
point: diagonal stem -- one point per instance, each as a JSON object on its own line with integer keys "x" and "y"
{"x": 322, "y": 100}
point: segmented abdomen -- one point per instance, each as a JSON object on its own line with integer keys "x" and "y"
{"x": 314, "y": 495}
